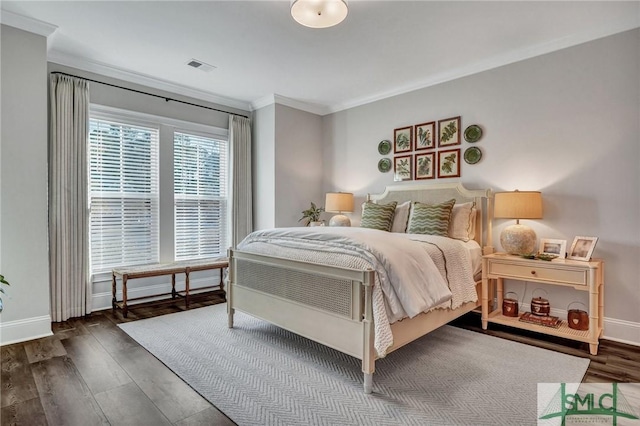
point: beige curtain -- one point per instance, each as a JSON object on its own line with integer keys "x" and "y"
{"x": 68, "y": 193}
{"x": 241, "y": 192}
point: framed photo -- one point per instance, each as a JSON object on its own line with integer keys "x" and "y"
{"x": 425, "y": 135}
{"x": 582, "y": 248}
{"x": 555, "y": 247}
{"x": 449, "y": 131}
{"x": 449, "y": 163}
{"x": 403, "y": 140}
{"x": 425, "y": 165}
{"x": 403, "y": 168}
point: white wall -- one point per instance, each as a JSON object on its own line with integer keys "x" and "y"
{"x": 23, "y": 186}
{"x": 566, "y": 123}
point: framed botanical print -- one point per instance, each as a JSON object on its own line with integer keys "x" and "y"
{"x": 449, "y": 163}
{"x": 403, "y": 140}
{"x": 449, "y": 131}
{"x": 425, "y": 135}
{"x": 425, "y": 166}
{"x": 403, "y": 168}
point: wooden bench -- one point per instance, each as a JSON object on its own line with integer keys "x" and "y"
{"x": 160, "y": 269}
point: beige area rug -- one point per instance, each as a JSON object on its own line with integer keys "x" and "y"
{"x": 259, "y": 374}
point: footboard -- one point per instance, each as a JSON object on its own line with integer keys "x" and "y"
{"x": 300, "y": 296}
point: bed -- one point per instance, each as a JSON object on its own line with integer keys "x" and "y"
{"x": 336, "y": 305}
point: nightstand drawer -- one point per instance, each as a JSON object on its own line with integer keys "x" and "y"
{"x": 542, "y": 273}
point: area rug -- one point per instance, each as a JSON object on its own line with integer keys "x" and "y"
{"x": 259, "y": 374}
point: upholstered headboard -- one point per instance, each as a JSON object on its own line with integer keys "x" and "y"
{"x": 441, "y": 192}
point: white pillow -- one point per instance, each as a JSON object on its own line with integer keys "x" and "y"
{"x": 401, "y": 217}
{"x": 462, "y": 225}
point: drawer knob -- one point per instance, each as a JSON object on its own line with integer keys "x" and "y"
{"x": 533, "y": 272}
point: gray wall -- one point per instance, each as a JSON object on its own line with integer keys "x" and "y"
{"x": 288, "y": 165}
{"x": 298, "y": 164}
{"x": 24, "y": 259}
{"x": 565, "y": 123}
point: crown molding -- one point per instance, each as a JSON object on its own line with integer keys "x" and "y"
{"x": 145, "y": 80}
{"x": 27, "y": 24}
{"x": 293, "y": 103}
{"x": 632, "y": 22}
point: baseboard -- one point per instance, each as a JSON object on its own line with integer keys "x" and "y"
{"x": 102, "y": 301}
{"x": 622, "y": 331}
{"x": 25, "y": 329}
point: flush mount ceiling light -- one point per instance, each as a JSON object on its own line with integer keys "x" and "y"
{"x": 319, "y": 13}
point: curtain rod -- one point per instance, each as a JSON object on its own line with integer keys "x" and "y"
{"x": 149, "y": 94}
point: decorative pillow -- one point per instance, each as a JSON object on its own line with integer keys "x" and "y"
{"x": 378, "y": 216}
{"x": 401, "y": 217}
{"x": 463, "y": 221}
{"x": 430, "y": 219}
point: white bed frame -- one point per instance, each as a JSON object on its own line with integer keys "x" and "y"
{"x": 332, "y": 305}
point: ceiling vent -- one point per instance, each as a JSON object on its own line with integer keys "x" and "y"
{"x": 194, "y": 63}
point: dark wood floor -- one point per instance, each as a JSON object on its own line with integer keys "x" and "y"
{"x": 91, "y": 372}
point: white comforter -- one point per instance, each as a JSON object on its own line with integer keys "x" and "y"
{"x": 408, "y": 281}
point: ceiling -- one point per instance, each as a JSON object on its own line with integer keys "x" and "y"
{"x": 383, "y": 48}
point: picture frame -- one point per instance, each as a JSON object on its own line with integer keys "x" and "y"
{"x": 582, "y": 248}
{"x": 425, "y": 135}
{"x": 403, "y": 168}
{"x": 449, "y": 163}
{"x": 403, "y": 140}
{"x": 553, "y": 247}
{"x": 425, "y": 165}
{"x": 449, "y": 131}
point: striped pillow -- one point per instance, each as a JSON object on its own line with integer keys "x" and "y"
{"x": 378, "y": 216}
{"x": 430, "y": 219}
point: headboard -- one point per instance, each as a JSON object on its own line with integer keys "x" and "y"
{"x": 441, "y": 192}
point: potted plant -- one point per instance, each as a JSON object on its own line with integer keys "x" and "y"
{"x": 312, "y": 215}
{"x": 2, "y": 281}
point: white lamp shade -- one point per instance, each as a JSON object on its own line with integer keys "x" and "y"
{"x": 319, "y": 13}
{"x": 338, "y": 202}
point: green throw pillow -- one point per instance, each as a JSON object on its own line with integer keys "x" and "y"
{"x": 430, "y": 219}
{"x": 378, "y": 216}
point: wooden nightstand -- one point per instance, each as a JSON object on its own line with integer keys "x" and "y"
{"x": 582, "y": 276}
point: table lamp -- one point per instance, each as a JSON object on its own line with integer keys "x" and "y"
{"x": 339, "y": 202}
{"x": 518, "y": 239}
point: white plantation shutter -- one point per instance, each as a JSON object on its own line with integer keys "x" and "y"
{"x": 200, "y": 196}
{"x": 123, "y": 194}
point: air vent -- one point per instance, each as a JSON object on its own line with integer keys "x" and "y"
{"x": 194, "y": 63}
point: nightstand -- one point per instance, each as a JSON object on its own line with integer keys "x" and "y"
{"x": 582, "y": 276}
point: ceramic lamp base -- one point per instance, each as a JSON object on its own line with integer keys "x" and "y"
{"x": 518, "y": 239}
{"x": 340, "y": 220}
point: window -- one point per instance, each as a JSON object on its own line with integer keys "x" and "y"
{"x": 123, "y": 184}
{"x": 200, "y": 196}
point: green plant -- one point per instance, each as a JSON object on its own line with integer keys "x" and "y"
{"x": 2, "y": 281}
{"x": 312, "y": 214}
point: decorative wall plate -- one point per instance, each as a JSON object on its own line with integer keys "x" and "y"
{"x": 472, "y": 155}
{"x": 384, "y": 147}
{"x": 384, "y": 165}
{"x": 472, "y": 133}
